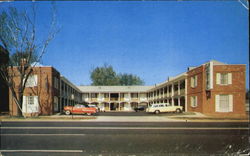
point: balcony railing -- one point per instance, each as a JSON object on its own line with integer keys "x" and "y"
{"x": 93, "y": 99}
{"x": 113, "y": 99}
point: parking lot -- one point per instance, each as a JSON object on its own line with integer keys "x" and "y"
{"x": 133, "y": 113}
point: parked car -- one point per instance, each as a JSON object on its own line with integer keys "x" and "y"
{"x": 79, "y": 109}
{"x": 164, "y": 107}
{"x": 94, "y": 106}
{"x": 140, "y": 108}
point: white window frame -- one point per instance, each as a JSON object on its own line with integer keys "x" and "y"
{"x": 31, "y": 81}
{"x": 194, "y": 81}
{"x": 219, "y": 78}
{"x": 29, "y": 107}
{"x": 217, "y": 103}
{"x": 194, "y": 101}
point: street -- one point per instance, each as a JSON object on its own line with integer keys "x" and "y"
{"x": 122, "y": 138}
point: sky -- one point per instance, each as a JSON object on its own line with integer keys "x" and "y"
{"x": 151, "y": 39}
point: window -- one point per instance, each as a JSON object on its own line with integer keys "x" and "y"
{"x": 224, "y": 103}
{"x": 31, "y": 81}
{"x": 56, "y": 103}
{"x": 223, "y": 78}
{"x": 93, "y": 95}
{"x": 165, "y": 90}
{"x": 30, "y": 100}
{"x": 194, "y": 102}
{"x": 30, "y": 104}
{"x": 56, "y": 83}
{"x": 194, "y": 81}
{"x": 122, "y": 95}
{"x": 106, "y": 95}
{"x": 134, "y": 95}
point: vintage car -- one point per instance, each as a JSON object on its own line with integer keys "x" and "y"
{"x": 94, "y": 106}
{"x": 140, "y": 108}
{"x": 164, "y": 107}
{"x": 79, "y": 109}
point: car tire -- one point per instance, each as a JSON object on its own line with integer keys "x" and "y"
{"x": 67, "y": 112}
{"x": 157, "y": 112}
{"x": 178, "y": 110}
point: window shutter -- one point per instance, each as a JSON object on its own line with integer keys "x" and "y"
{"x": 35, "y": 79}
{"x": 196, "y": 101}
{"x": 192, "y": 82}
{"x": 218, "y": 78}
{"x": 229, "y": 78}
{"x": 36, "y": 103}
{"x": 196, "y": 78}
{"x": 217, "y": 103}
{"x": 230, "y": 103}
{"x": 24, "y": 107}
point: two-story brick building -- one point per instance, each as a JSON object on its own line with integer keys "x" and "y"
{"x": 213, "y": 88}
{"x": 216, "y": 88}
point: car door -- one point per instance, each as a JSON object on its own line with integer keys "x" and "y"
{"x": 162, "y": 108}
{"x": 77, "y": 109}
{"x": 168, "y": 108}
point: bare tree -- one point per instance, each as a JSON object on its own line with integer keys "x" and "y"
{"x": 18, "y": 38}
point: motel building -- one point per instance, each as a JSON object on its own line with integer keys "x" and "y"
{"x": 213, "y": 88}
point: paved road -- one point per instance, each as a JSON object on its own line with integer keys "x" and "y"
{"x": 123, "y": 138}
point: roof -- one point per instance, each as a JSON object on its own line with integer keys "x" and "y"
{"x": 69, "y": 83}
{"x": 216, "y": 62}
{"x": 100, "y": 89}
{"x": 170, "y": 80}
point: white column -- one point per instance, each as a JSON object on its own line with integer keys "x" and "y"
{"x": 179, "y": 101}
{"x": 109, "y": 97}
{"x": 185, "y": 94}
{"x": 167, "y": 91}
{"x": 99, "y": 96}
{"x": 119, "y": 98}
{"x": 179, "y": 88}
{"x": 172, "y": 94}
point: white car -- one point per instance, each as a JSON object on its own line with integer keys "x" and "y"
{"x": 164, "y": 107}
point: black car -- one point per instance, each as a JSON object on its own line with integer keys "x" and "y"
{"x": 140, "y": 108}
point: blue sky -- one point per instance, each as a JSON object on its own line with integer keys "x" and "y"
{"x": 152, "y": 39}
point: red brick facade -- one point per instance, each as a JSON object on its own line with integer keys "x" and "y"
{"x": 206, "y": 99}
{"x": 45, "y": 91}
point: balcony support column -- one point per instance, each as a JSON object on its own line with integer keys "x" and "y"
{"x": 172, "y": 94}
{"x": 179, "y": 88}
{"x": 185, "y": 95}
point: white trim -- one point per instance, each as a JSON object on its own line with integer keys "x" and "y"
{"x": 217, "y": 103}
{"x": 229, "y": 78}
{"x": 230, "y": 103}
{"x": 218, "y": 76}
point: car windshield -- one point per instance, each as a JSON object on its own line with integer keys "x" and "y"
{"x": 79, "y": 106}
